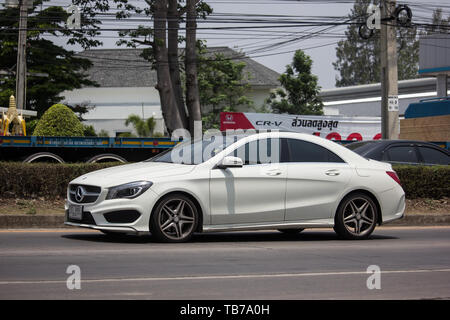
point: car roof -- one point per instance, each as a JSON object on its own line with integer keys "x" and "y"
{"x": 383, "y": 142}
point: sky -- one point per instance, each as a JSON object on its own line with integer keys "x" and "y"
{"x": 259, "y": 43}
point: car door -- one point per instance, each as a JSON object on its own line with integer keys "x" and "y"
{"x": 254, "y": 193}
{"x": 401, "y": 153}
{"x": 316, "y": 178}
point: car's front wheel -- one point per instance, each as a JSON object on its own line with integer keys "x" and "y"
{"x": 174, "y": 219}
{"x": 356, "y": 217}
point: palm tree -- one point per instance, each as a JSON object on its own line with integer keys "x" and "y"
{"x": 144, "y": 128}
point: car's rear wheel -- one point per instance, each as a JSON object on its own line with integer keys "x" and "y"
{"x": 356, "y": 217}
{"x": 174, "y": 219}
{"x": 291, "y": 231}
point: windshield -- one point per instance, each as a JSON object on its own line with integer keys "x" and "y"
{"x": 198, "y": 151}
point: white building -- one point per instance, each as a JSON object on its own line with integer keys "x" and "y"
{"x": 365, "y": 100}
{"x": 127, "y": 86}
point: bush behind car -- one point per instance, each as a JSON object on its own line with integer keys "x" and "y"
{"x": 49, "y": 181}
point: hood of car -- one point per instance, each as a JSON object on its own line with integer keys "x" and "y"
{"x": 132, "y": 172}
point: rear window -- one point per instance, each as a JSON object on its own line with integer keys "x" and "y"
{"x": 433, "y": 156}
{"x": 304, "y": 151}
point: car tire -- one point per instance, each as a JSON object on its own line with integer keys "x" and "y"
{"x": 356, "y": 217}
{"x": 291, "y": 231}
{"x": 174, "y": 219}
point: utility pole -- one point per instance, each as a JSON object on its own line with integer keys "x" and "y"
{"x": 21, "y": 73}
{"x": 390, "y": 125}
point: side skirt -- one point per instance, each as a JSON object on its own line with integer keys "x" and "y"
{"x": 325, "y": 223}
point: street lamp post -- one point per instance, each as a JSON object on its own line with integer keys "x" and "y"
{"x": 21, "y": 66}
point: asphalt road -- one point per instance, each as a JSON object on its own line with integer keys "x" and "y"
{"x": 414, "y": 264}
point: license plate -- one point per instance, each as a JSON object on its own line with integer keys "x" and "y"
{"x": 75, "y": 212}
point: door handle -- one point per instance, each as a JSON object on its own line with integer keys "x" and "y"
{"x": 332, "y": 172}
{"x": 273, "y": 172}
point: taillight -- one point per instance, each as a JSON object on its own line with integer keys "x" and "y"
{"x": 394, "y": 176}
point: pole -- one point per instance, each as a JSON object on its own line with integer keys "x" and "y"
{"x": 390, "y": 125}
{"x": 21, "y": 72}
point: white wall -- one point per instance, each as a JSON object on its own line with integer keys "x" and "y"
{"x": 112, "y": 106}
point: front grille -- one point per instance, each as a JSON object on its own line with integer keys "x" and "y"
{"x": 83, "y": 193}
{"x": 123, "y": 216}
{"x": 85, "y": 219}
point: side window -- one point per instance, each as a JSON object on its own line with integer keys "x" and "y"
{"x": 303, "y": 151}
{"x": 259, "y": 152}
{"x": 433, "y": 156}
{"x": 402, "y": 154}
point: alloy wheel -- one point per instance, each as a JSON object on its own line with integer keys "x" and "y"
{"x": 359, "y": 216}
{"x": 176, "y": 219}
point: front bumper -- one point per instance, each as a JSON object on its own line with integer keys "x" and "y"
{"x": 104, "y": 228}
{"x": 97, "y": 215}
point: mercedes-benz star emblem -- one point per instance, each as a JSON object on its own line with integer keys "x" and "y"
{"x": 80, "y": 193}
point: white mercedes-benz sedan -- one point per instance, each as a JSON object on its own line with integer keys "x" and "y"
{"x": 277, "y": 180}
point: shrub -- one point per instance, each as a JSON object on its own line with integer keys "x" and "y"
{"x": 59, "y": 120}
{"x": 103, "y": 133}
{"x": 31, "y": 125}
{"x": 48, "y": 180}
{"x": 31, "y": 180}
{"x": 424, "y": 181}
{"x": 89, "y": 131}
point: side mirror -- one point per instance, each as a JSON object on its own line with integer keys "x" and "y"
{"x": 230, "y": 162}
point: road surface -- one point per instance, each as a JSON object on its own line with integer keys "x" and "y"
{"x": 414, "y": 264}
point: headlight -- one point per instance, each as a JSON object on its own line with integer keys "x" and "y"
{"x": 128, "y": 190}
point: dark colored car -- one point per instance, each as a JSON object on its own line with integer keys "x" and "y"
{"x": 402, "y": 152}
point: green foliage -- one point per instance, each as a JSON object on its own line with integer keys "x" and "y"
{"x": 89, "y": 131}
{"x": 59, "y": 120}
{"x": 31, "y": 125}
{"x": 46, "y": 180}
{"x": 222, "y": 86}
{"x": 424, "y": 181}
{"x": 358, "y": 60}
{"x": 144, "y": 128}
{"x": 50, "y": 180}
{"x": 126, "y": 135}
{"x": 65, "y": 71}
{"x": 440, "y": 24}
{"x": 300, "y": 92}
{"x": 158, "y": 135}
{"x": 103, "y": 133}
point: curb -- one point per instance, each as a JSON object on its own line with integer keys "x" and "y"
{"x": 57, "y": 221}
{"x": 422, "y": 220}
{"x": 31, "y": 221}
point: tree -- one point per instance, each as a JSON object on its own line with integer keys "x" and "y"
{"x": 161, "y": 50}
{"x": 440, "y": 24}
{"x": 358, "y": 60}
{"x": 59, "y": 120}
{"x": 222, "y": 86}
{"x": 300, "y": 92}
{"x": 52, "y": 68}
{"x": 144, "y": 128}
{"x": 192, "y": 91}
